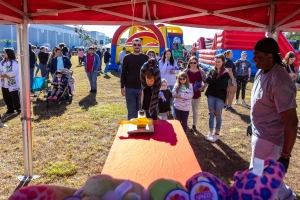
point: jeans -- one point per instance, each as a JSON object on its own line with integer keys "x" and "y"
{"x": 195, "y": 109}
{"x": 182, "y": 117}
{"x": 93, "y": 79}
{"x": 263, "y": 149}
{"x": 31, "y": 73}
{"x": 100, "y": 67}
{"x": 120, "y": 69}
{"x": 241, "y": 82}
{"x": 44, "y": 72}
{"x": 172, "y": 102}
{"x": 215, "y": 104}
{"x": 132, "y": 102}
{"x": 106, "y": 68}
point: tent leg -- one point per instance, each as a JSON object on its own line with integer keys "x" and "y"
{"x": 23, "y": 55}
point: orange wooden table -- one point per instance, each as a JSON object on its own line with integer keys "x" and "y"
{"x": 144, "y": 159}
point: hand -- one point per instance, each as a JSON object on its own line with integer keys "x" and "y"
{"x": 4, "y": 76}
{"x": 202, "y": 89}
{"x": 123, "y": 91}
{"x": 233, "y": 82}
{"x": 95, "y": 70}
{"x": 172, "y": 71}
{"x": 47, "y": 68}
{"x": 285, "y": 162}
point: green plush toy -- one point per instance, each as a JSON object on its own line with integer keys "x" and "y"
{"x": 163, "y": 189}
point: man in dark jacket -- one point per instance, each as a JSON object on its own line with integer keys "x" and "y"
{"x": 43, "y": 58}
{"x": 107, "y": 57}
{"x": 59, "y": 62}
{"x": 99, "y": 53}
{"x": 32, "y": 60}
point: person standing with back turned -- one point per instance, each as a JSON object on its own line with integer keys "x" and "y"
{"x": 130, "y": 77}
{"x": 273, "y": 110}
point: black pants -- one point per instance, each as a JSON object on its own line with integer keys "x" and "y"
{"x": 11, "y": 99}
{"x": 182, "y": 117}
{"x": 241, "y": 82}
{"x": 153, "y": 116}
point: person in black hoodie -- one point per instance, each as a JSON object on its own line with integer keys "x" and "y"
{"x": 32, "y": 60}
{"x": 107, "y": 57}
{"x": 43, "y": 58}
{"x": 216, "y": 95}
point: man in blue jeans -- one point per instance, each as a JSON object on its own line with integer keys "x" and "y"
{"x": 92, "y": 65}
{"x": 130, "y": 77}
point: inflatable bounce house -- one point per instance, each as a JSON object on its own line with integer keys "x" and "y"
{"x": 153, "y": 37}
{"x": 237, "y": 41}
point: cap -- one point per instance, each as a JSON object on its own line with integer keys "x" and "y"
{"x": 244, "y": 52}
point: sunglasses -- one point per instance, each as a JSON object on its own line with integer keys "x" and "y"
{"x": 150, "y": 54}
{"x": 137, "y": 45}
{"x": 193, "y": 63}
{"x": 182, "y": 79}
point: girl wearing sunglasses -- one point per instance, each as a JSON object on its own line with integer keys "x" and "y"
{"x": 182, "y": 94}
{"x": 216, "y": 96}
{"x": 197, "y": 78}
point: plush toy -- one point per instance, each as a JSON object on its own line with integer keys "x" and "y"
{"x": 163, "y": 189}
{"x": 162, "y": 96}
{"x": 183, "y": 89}
{"x": 247, "y": 185}
{"x": 104, "y": 187}
{"x": 197, "y": 85}
{"x": 98, "y": 187}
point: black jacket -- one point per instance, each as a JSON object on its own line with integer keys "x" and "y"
{"x": 217, "y": 87}
{"x": 99, "y": 54}
{"x": 32, "y": 57}
{"x": 53, "y": 64}
{"x": 106, "y": 57}
{"x": 43, "y": 57}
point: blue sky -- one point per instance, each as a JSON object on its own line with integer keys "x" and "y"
{"x": 190, "y": 35}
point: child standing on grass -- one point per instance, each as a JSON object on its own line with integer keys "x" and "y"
{"x": 165, "y": 96}
{"x": 183, "y": 94}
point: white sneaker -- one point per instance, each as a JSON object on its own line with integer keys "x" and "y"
{"x": 2, "y": 125}
{"x": 236, "y": 102}
{"x": 209, "y": 136}
{"x": 244, "y": 103}
{"x": 214, "y": 138}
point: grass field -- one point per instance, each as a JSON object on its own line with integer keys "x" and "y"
{"x": 72, "y": 142}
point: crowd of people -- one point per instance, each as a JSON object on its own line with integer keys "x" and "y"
{"x": 273, "y": 114}
{"x": 164, "y": 91}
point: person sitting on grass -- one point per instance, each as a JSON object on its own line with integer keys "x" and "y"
{"x": 1, "y": 123}
{"x": 59, "y": 83}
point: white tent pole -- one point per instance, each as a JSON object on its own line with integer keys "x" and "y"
{"x": 23, "y": 50}
{"x": 272, "y": 32}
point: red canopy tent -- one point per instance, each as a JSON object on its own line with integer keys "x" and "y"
{"x": 248, "y": 15}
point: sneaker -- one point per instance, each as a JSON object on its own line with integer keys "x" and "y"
{"x": 214, "y": 138}
{"x": 229, "y": 108}
{"x": 236, "y": 102}
{"x": 55, "y": 97}
{"x": 193, "y": 129}
{"x": 209, "y": 136}
{"x": 2, "y": 125}
{"x": 225, "y": 106}
{"x": 9, "y": 113}
{"x": 50, "y": 97}
{"x": 244, "y": 103}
